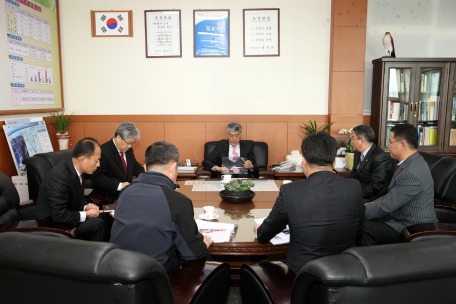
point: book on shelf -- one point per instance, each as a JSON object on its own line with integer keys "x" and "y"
{"x": 433, "y": 136}
{"x": 454, "y": 109}
{"x": 451, "y": 137}
{"x": 396, "y": 110}
{"x": 390, "y": 110}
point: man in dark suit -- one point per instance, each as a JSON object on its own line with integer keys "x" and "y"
{"x": 410, "y": 197}
{"x": 324, "y": 211}
{"x": 239, "y": 151}
{"x": 61, "y": 195}
{"x": 118, "y": 163}
{"x": 372, "y": 166}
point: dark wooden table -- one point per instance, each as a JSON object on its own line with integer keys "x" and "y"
{"x": 243, "y": 246}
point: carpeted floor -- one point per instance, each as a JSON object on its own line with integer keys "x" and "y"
{"x": 234, "y": 296}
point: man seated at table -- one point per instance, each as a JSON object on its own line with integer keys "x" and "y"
{"x": 410, "y": 197}
{"x": 118, "y": 163}
{"x": 372, "y": 166}
{"x": 61, "y": 195}
{"x": 239, "y": 151}
{"x": 324, "y": 211}
{"x": 152, "y": 218}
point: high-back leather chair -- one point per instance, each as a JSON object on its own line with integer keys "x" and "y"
{"x": 57, "y": 270}
{"x": 260, "y": 149}
{"x": 39, "y": 165}
{"x": 419, "y": 273}
{"x": 14, "y": 217}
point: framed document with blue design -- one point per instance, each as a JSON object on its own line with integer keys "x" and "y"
{"x": 163, "y": 33}
{"x": 112, "y": 23}
{"x": 211, "y": 33}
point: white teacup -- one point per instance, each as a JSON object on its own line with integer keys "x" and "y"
{"x": 209, "y": 211}
{"x": 226, "y": 177}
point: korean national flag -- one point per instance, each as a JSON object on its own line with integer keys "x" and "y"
{"x": 112, "y": 23}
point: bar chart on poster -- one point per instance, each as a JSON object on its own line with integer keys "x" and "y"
{"x": 30, "y": 73}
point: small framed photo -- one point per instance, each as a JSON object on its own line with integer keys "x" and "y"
{"x": 211, "y": 33}
{"x": 261, "y": 32}
{"x": 112, "y": 23}
{"x": 163, "y": 33}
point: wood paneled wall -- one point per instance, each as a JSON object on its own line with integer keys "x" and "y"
{"x": 347, "y": 59}
{"x": 188, "y": 132}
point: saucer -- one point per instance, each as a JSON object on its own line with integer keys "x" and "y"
{"x": 203, "y": 217}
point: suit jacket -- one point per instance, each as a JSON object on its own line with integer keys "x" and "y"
{"x": 222, "y": 150}
{"x": 325, "y": 212}
{"x": 410, "y": 197}
{"x": 374, "y": 173}
{"x": 111, "y": 172}
{"x": 61, "y": 195}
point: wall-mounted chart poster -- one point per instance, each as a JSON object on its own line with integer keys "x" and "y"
{"x": 261, "y": 32}
{"x": 30, "y": 73}
{"x": 163, "y": 34}
{"x": 211, "y": 33}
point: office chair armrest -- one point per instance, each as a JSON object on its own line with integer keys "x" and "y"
{"x": 422, "y": 232}
{"x": 42, "y": 227}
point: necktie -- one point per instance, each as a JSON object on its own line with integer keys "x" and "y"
{"x": 123, "y": 163}
{"x": 235, "y": 158}
{"x": 397, "y": 167}
{"x": 360, "y": 161}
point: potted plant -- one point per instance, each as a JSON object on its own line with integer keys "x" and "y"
{"x": 312, "y": 128}
{"x": 349, "y": 151}
{"x": 62, "y": 122}
{"x": 238, "y": 191}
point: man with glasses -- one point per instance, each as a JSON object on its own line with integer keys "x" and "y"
{"x": 372, "y": 166}
{"x": 410, "y": 197}
{"x": 118, "y": 163}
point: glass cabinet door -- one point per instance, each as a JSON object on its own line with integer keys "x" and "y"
{"x": 427, "y": 106}
{"x": 450, "y": 139}
{"x": 398, "y": 106}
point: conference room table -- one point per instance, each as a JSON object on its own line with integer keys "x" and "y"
{"x": 243, "y": 246}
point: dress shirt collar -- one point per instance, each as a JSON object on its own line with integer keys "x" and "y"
{"x": 366, "y": 151}
{"x": 115, "y": 145}
{"x": 79, "y": 174}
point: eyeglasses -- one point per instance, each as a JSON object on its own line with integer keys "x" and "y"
{"x": 390, "y": 142}
{"x": 129, "y": 143}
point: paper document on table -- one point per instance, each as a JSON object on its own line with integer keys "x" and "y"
{"x": 194, "y": 182}
{"x": 267, "y": 185}
{"x": 208, "y": 186}
{"x": 219, "y": 232}
{"x": 281, "y": 238}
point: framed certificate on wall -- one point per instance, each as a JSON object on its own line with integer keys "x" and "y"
{"x": 211, "y": 33}
{"x": 261, "y": 32}
{"x": 163, "y": 34}
{"x": 112, "y": 23}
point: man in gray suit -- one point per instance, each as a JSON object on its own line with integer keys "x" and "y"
{"x": 324, "y": 211}
{"x": 410, "y": 197}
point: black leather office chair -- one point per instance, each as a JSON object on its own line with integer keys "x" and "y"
{"x": 260, "y": 149}
{"x": 14, "y": 217}
{"x": 38, "y": 166}
{"x": 421, "y": 272}
{"x": 57, "y": 270}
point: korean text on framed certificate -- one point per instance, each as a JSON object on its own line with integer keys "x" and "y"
{"x": 211, "y": 33}
{"x": 112, "y": 23}
{"x": 261, "y": 32}
{"x": 163, "y": 34}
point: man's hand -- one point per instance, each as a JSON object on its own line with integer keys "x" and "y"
{"x": 207, "y": 240}
{"x": 222, "y": 169}
{"x": 124, "y": 185}
{"x": 368, "y": 203}
{"x": 92, "y": 206}
{"x": 91, "y": 213}
{"x": 248, "y": 165}
{"x": 255, "y": 228}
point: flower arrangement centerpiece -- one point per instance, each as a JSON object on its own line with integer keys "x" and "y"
{"x": 238, "y": 191}
{"x": 349, "y": 151}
